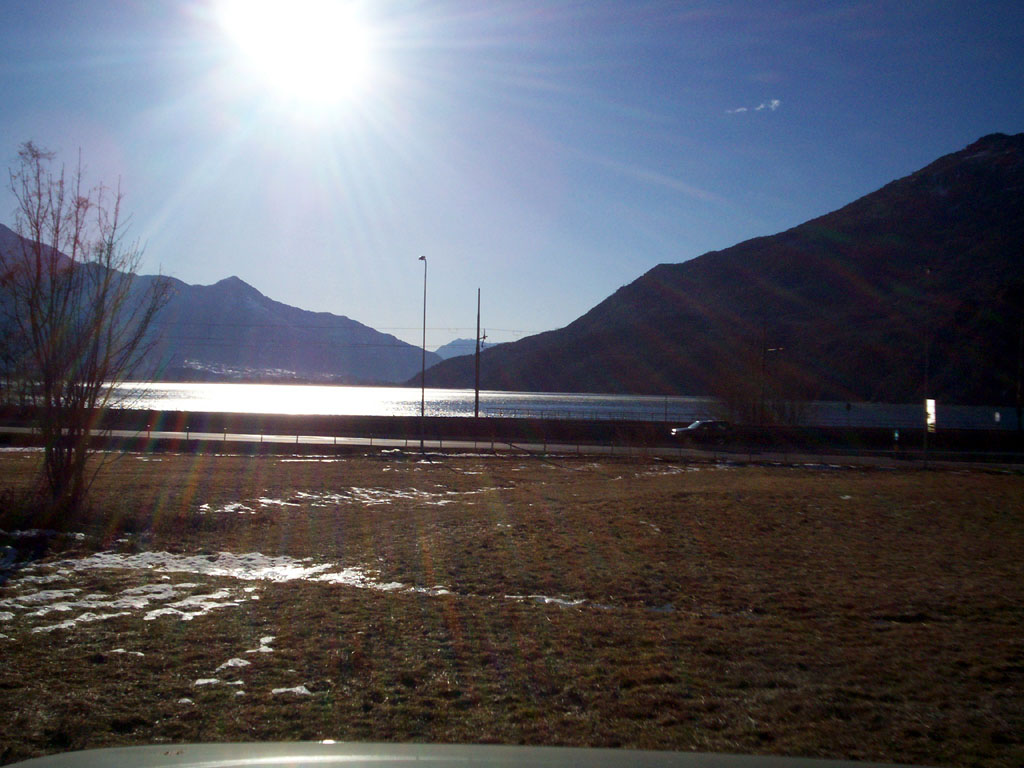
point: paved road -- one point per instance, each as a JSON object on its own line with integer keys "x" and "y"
{"x": 905, "y": 459}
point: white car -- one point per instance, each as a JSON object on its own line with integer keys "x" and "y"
{"x": 702, "y": 430}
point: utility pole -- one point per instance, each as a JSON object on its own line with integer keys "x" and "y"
{"x": 423, "y": 357}
{"x": 476, "y": 400}
{"x": 1020, "y": 370}
{"x": 764, "y": 367}
{"x": 765, "y": 349}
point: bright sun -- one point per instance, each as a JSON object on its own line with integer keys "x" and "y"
{"x": 309, "y": 52}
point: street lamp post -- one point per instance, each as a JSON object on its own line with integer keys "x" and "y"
{"x": 476, "y": 397}
{"x": 423, "y": 359}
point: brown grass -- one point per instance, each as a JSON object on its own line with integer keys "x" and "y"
{"x": 801, "y": 611}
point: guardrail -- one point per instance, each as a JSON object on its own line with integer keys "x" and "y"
{"x": 816, "y": 414}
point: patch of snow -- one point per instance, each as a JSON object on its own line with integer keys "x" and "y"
{"x": 565, "y": 602}
{"x": 206, "y": 681}
{"x": 48, "y": 579}
{"x": 197, "y": 605}
{"x": 160, "y": 591}
{"x": 264, "y": 645}
{"x": 680, "y": 469}
{"x": 357, "y": 577}
{"x": 558, "y": 601}
{"x": 375, "y": 496}
{"x": 234, "y": 506}
{"x": 42, "y": 596}
{"x": 202, "y": 601}
{"x": 432, "y": 591}
{"x": 232, "y": 663}
{"x": 84, "y": 618}
{"x": 310, "y": 460}
{"x": 267, "y": 502}
{"x": 299, "y": 690}
{"x": 252, "y": 566}
{"x": 135, "y": 598}
{"x": 127, "y": 602}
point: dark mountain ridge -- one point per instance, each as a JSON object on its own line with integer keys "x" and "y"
{"x": 920, "y": 280}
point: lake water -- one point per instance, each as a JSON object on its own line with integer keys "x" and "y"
{"x": 405, "y": 401}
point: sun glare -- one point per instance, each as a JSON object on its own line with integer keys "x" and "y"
{"x": 310, "y": 52}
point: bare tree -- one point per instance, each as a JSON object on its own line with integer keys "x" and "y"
{"x": 759, "y": 384}
{"x": 68, "y": 290}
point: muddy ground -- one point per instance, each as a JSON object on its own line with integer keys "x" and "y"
{"x": 812, "y": 611}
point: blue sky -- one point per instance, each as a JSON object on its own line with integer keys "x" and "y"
{"x": 545, "y": 152}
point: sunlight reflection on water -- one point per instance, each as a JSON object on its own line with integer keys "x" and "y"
{"x": 398, "y": 401}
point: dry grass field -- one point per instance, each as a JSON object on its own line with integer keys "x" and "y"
{"x": 811, "y": 611}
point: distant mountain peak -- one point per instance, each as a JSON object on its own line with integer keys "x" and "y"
{"x": 234, "y": 283}
{"x": 996, "y": 141}
{"x": 458, "y": 347}
{"x": 231, "y": 330}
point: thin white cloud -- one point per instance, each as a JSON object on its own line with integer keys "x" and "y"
{"x": 646, "y": 175}
{"x": 771, "y": 105}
